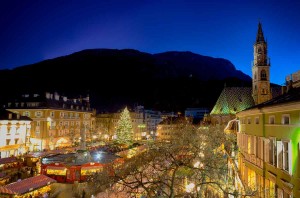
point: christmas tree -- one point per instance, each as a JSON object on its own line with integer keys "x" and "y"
{"x": 124, "y": 128}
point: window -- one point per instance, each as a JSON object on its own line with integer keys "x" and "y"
{"x": 271, "y": 119}
{"x": 16, "y": 140}
{"x": 260, "y": 148}
{"x": 257, "y": 120}
{"x": 38, "y": 114}
{"x": 52, "y": 114}
{"x": 7, "y": 141}
{"x": 270, "y": 188}
{"x": 272, "y": 151}
{"x": 285, "y": 119}
{"x": 61, "y": 114}
{"x": 263, "y": 75}
{"x": 284, "y": 155}
{"x": 248, "y": 120}
{"x": 26, "y": 113}
{"x": 286, "y": 150}
{"x": 283, "y": 194}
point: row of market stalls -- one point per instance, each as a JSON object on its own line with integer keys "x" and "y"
{"x": 78, "y": 167}
{"x": 9, "y": 166}
{"x": 36, "y": 186}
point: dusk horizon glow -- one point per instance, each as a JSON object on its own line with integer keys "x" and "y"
{"x": 34, "y": 31}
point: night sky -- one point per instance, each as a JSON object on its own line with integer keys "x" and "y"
{"x": 35, "y": 30}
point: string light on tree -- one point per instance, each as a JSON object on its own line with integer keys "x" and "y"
{"x": 124, "y": 128}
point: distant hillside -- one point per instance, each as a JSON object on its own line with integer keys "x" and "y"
{"x": 114, "y": 78}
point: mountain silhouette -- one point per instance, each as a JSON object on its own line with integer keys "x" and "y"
{"x": 169, "y": 81}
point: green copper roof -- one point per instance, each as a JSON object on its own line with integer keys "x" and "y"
{"x": 233, "y": 100}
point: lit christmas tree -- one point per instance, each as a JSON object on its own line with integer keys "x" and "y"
{"x": 124, "y": 128}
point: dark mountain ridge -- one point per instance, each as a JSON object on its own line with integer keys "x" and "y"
{"x": 170, "y": 81}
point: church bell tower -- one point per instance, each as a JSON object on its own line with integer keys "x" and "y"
{"x": 261, "y": 91}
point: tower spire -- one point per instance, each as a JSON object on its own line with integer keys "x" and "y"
{"x": 260, "y": 34}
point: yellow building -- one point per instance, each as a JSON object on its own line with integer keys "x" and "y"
{"x": 269, "y": 139}
{"x": 57, "y": 120}
{"x": 14, "y": 133}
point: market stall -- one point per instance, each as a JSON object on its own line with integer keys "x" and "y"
{"x": 30, "y": 187}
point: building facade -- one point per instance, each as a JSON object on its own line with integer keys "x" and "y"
{"x": 144, "y": 123}
{"x": 15, "y": 133}
{"x": 268, "y": 140}
{"x": 56, "y": 120}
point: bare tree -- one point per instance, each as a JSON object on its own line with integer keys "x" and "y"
{"x": 194, "y": 164}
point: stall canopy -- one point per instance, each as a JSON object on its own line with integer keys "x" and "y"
{"x": 26, "y": 185}
{"x": 7, "y": 160}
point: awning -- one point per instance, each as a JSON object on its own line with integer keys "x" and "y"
{"x": 91, "y": 167}
{"x": 7, "y": 160}
{"x": 10, "y": 147}
{"x": 56, "y": 168}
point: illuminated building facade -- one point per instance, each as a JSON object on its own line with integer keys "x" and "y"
{"x": 268, "y": 140}
{"x": 57, "y": 120}
{"x": 144, "y": 124}
{"x": 14, "y": 132}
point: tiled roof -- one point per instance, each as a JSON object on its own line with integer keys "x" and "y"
{"x": 4, "y": 190}
{"x": 26, "y": 185}
{"x": 233, "y": 100}
{"x": 7, "y": 160}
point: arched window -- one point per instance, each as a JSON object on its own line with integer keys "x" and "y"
{"x": 263, "y": 75}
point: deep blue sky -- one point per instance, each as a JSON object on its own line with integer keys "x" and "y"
{"x": 35, "y": 30}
